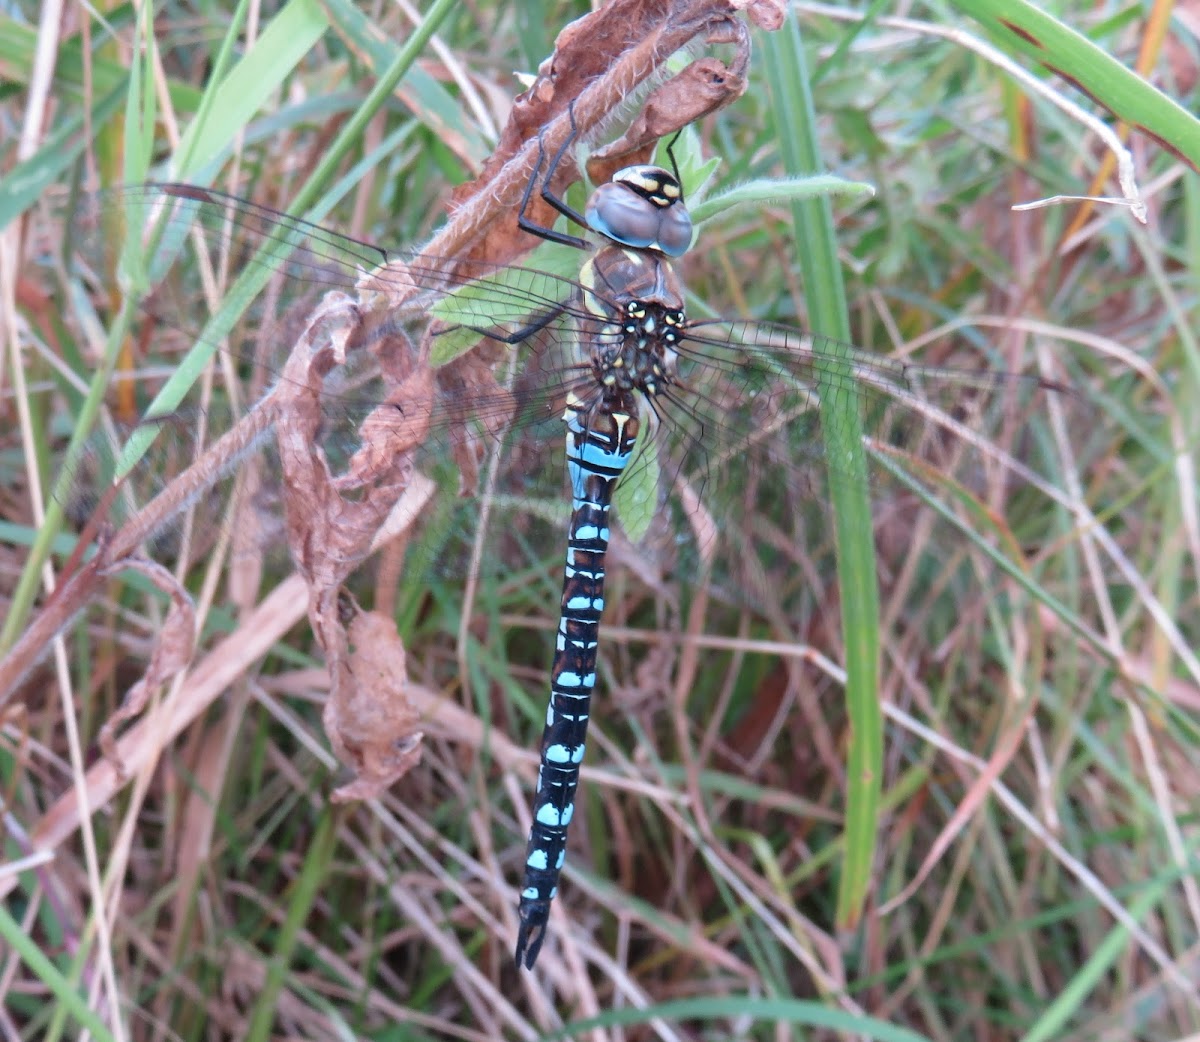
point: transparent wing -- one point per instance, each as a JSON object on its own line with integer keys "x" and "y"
{"x": 747, "y": 440}
{"x": 737, "y": 439}
{"x": 226, "y": 290}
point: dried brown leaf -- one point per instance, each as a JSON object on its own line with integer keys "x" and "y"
{"x": 702, "y": 87}
{"x": 391, "y": 432}
{"x": 766, "y": 14}
{"x": 172, "y": 651}
{"x": 584, "y": 51}
{"x": 328, "y": 533}
{"x": 331, "y": 522}
{"x": 599, "y": 62}
{"x": 369, "y": 719}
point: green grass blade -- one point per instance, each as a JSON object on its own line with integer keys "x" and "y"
{"x": 1032, "y": 31}
{"x": 226, "y": 111}
{"x": 69, "y": 998}
{"x": 313, "y": 876}
{"x": 816, "y": 251}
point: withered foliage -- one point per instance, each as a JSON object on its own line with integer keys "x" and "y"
{"x": 172, "y": 650}
{"x": 369, "y": 718}
{"x": 606, "y": 67}
{"x": 600, "y": 64}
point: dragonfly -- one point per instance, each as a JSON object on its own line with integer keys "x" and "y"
{"x": 695, "y": 425}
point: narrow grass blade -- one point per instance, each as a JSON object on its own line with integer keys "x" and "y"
{"x": 816, "y": 249}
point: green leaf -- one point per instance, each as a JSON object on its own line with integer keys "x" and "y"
{"x": 783, "y": 190}
{"x": 284, "y": 43}
{"x": 508, "y": 298}
{"x": 695, "y": 172}
{"x": 636, "y": 495}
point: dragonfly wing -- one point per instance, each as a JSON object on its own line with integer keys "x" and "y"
{"x": 744, "y": 446}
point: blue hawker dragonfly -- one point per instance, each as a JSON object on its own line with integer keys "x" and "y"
{"x": 692, "y": 427}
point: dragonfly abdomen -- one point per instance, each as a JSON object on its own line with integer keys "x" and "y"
{"x": 600, "y": 442}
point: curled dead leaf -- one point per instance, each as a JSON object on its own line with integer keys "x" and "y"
{"x": 172, "y": 651}
{"x": 369, "y": 719}
{"x": 391, "y": 432}
{"x": 766, "y": 14}
{"x": 332, "y": 521}
{"x": 599, "y": 63}
{"x": 702, "y": 87}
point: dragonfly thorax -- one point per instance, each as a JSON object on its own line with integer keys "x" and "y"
{"x": 637, "y": 302}
{"x": 643, "y": 355}
{"x": 642, "y": 207}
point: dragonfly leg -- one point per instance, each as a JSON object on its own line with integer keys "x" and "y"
{"x": 559, "y": 204}
{"x": 518, "y": 336}
{"x": 671, "y": 155}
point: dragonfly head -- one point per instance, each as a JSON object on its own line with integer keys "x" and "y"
{"x": 642, "y": 207}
